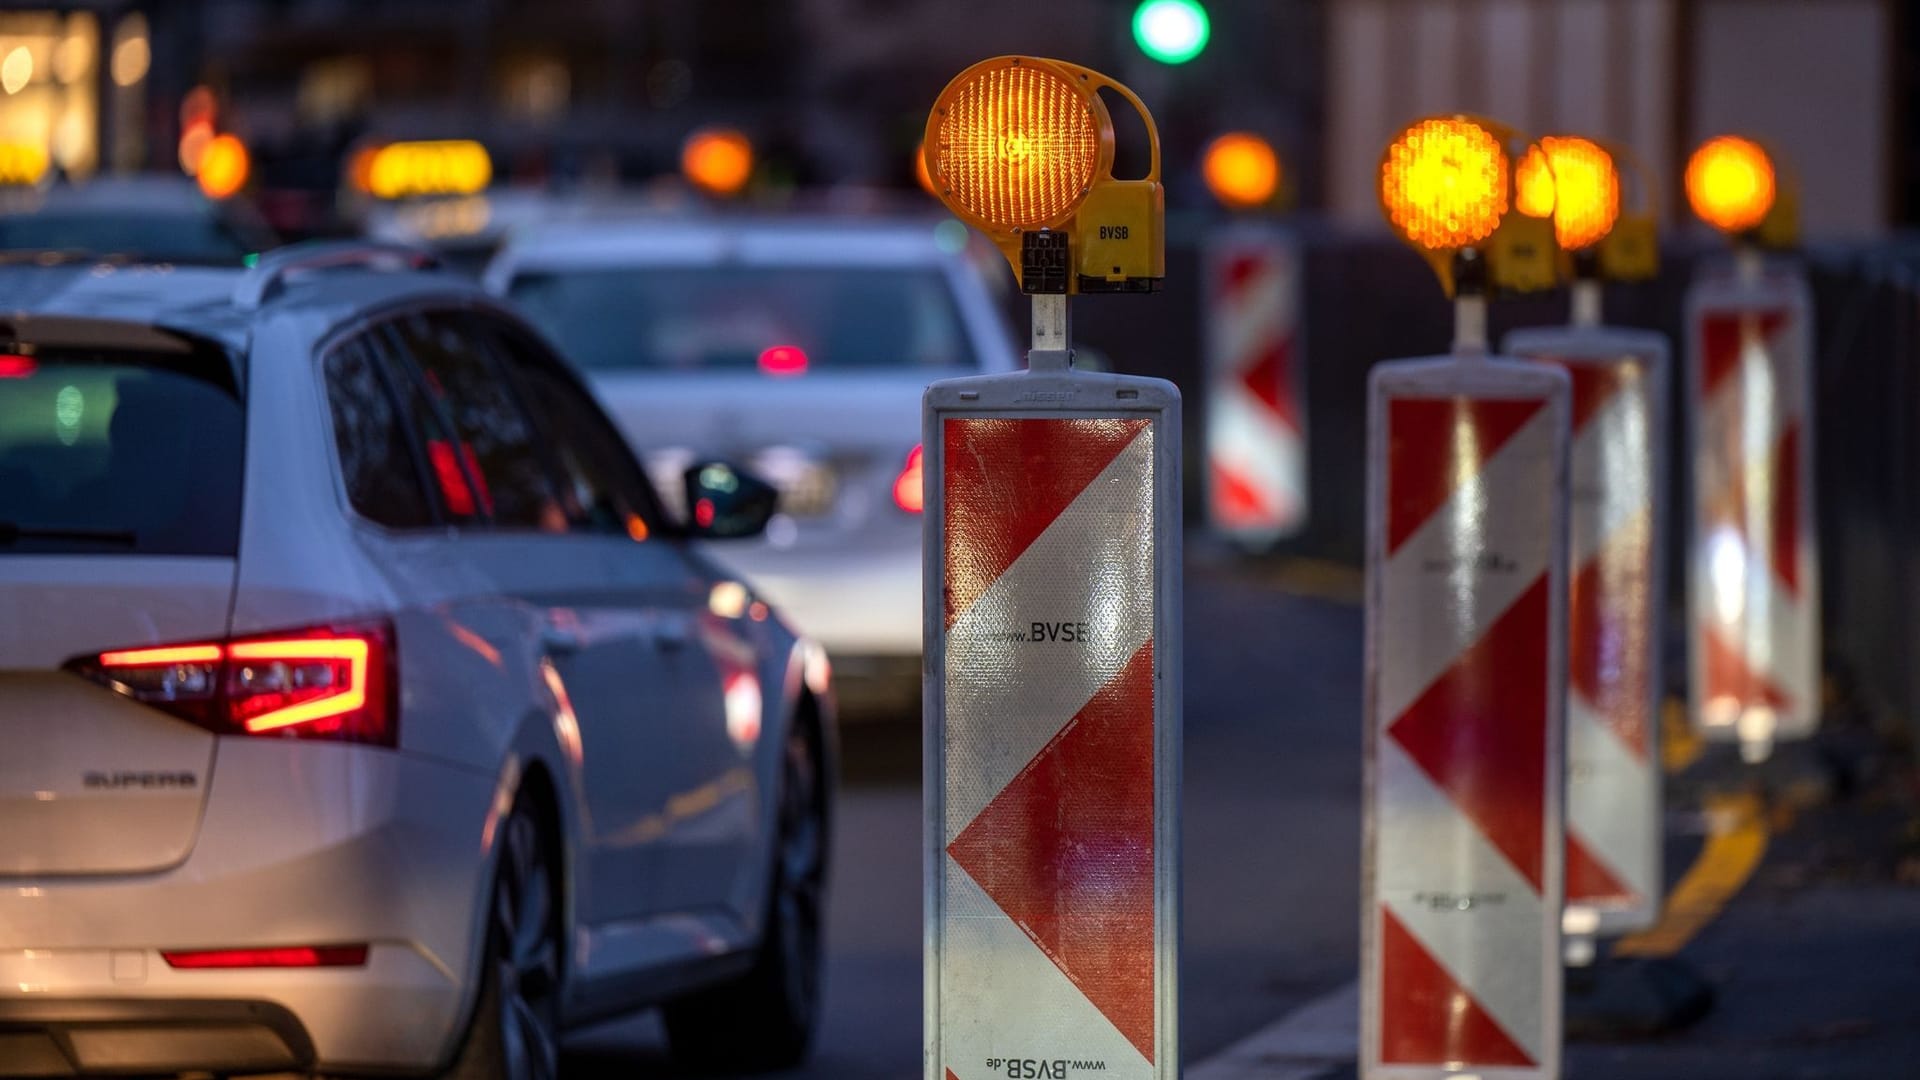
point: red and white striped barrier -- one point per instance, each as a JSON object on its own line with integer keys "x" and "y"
{"x": 1052, "y": 659}
{"x": 1255, "y": 405}
{"x": 1466, "y": 669}
{"x": 1617, "y": 503}
{"x": 1754, "y": 588}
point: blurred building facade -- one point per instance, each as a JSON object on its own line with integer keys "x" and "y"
{"x": 834, "y": 92}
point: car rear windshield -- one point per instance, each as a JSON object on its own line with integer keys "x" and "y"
{"x": 119, "y": 452}
{"x": 778, "y": 320}
{"x": 187, "y": 238}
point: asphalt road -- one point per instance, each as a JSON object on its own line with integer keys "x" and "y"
{"x": 1271, "y": 835}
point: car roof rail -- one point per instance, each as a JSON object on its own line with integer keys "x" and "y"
{"x": 267, "y": 276}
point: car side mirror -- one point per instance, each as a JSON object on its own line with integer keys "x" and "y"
{"x": 725, "y": 502}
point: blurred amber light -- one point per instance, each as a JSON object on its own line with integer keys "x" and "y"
{"x": 1533, "y": 184}
{"x": 718, "y": 161}
{"x": 1586, "y": 191}
{"x": 1443, "y": 183}
{"x": 1730, "y": 183}
{"x": 1242, "y": 170}
{"x": 22, "y": 163}
{"x": 1016, "y": 146}
{"x": 224, "y": 166}
{"x": 435, "y": 167}
{"x": 920, "y": 172}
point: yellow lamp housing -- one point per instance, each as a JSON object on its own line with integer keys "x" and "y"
{"x": 1631, "y": 249}
{"x": 1021, "y": 148}
{"x": 1447, "y": 183}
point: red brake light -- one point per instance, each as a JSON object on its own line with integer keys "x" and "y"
{"x": 299, "y": 956}
{"x": 325, "y": 683}
{"x": 908, "y": 493}
{"x": 784, "y": 360}
{"x": 13, "y": 366}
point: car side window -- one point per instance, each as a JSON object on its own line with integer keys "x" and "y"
{"x": 377, "y": 460}
{"x": 492, "y": 449}
{"x": 609, "y": 491}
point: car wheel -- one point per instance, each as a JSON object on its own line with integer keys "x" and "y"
{"x": 766, "y": 1019}
{"x": 515, "y": 1033}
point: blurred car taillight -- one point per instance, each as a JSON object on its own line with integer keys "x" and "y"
{"x": 297, "y": 956}
{"x": 331, "y": 683}
{"x": 907, "y": 489}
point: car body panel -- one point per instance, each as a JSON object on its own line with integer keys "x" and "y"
{"x": 594, "y": 666}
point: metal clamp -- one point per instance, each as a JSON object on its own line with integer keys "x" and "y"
{"x": 262, "y": 281}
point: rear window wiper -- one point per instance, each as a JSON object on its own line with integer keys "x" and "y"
{"x": 12, "y": 532}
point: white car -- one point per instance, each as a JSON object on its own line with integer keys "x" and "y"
{"x": 361, "y": 710}
{"x": 800, "y": 347}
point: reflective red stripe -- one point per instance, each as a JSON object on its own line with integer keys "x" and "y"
{"x": 1590, "y": 879}
{"x": 1071, "y": 861}
{"x": 1006, "y": 481}
{"x": 1430, "y": 1018}
{"x": 1480, "y": 732}
{"x": 1425, "y": 478}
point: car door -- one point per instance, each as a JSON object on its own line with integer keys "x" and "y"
{"x": 700, "y": 735}
{"x": 537, "y": 550}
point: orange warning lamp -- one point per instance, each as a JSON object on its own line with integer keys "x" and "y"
{"x": 1586, "y": 190}
{"x": 1021, "y": 148}
{"x": 223, "y": 167}
{"x": 718, "y": 161}
{"x": 1242, "y": 170}
{"x": 1730, "y": 182}
{"x": 1446, "y": 184}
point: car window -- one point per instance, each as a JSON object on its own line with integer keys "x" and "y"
{"x": 117, "y": 451}
{"x": 177, "y": 237}
{"x": 491, "y": 443}
{"x": 376, "y": 459}
{"x": 607, "y": 490}
{"x": 775, "y": 320}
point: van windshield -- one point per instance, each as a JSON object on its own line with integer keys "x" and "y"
{"x": 119, "y": 451}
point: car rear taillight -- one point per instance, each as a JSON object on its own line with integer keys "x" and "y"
{"x": 321, "y": 683}
{"x": 297, "y": 956}
{"x": 907, "y": 492}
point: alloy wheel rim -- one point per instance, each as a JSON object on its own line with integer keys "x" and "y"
{"x": 526, "y": 955}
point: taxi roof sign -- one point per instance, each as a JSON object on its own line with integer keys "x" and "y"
{"x": 432, "y": 167}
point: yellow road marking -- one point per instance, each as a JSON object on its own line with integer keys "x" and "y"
{"x": 1322, "y": 579}
{"x": 1736, "y": 839}
{"x": 1680, "y": 745}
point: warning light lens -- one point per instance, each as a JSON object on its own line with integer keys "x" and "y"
{"x": 15, "y": 366}
{"x": 1586, "y": 191}
{"x": 1533, "y": 184}
{"x": 718, "y": 161}
{"x": 1730, "y": 183}
{"x": 1241, "y": 170}
{"x": 909, "y": 493}
{"x": 784, "y": 360}
{"x": 1016, "y": 146}
{"x": 1443, "y": 183}
{"x": 920, "y": 172}
{"x": 223, "y": 167}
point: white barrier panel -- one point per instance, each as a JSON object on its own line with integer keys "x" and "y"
{"x": 1466, "y": 679}
{"x": 1053, "y": 738}
{"x": 1616, "y": 555}
{"x": 1256, "y": 401}
{"x": 1753, "y": 567}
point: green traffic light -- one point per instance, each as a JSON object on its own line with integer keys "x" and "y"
{"x": 1171, "y": 31}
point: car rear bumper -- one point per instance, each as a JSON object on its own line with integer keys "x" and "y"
{"x": 302, "y": 844}
{"x": 47, "y": 1037}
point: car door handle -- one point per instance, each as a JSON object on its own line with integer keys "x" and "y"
{"x": 560, "y": 642}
